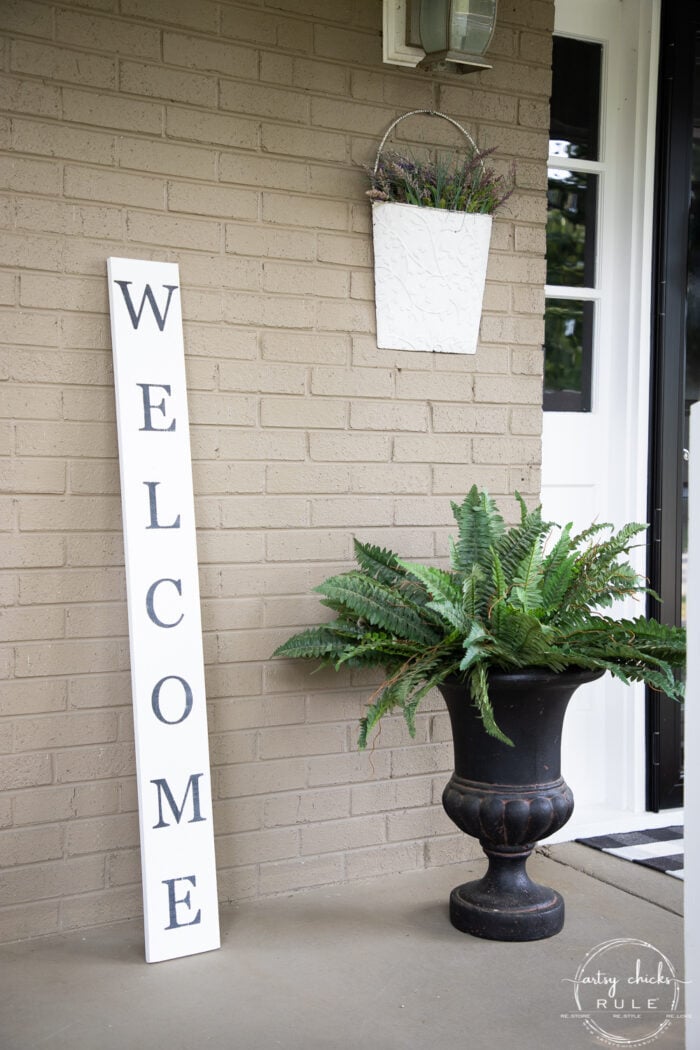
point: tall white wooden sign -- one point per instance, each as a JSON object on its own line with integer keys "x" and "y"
{"x": 167, "y": 668}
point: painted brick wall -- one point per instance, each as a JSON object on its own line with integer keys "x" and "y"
{"x": 227, "y": 137}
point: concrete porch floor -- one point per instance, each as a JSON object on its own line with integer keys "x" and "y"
{"x": 374, "y": 964}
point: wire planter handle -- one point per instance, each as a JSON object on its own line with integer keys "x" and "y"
{"x": 428, "y": 113}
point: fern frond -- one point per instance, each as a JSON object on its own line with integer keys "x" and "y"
{"x": 663, "y": 640}
{"x": 445, "y": 591}
{"x": 674, "y": 689}
{"x": 451, "y": 614}
{"x": 599, "y": 577}
{"x": 411, "y": 706}
{"x": 438, "y": 583}
{"x": 518, "y": 541}
{"x": 473, "y": 647}
{"x": 517, "y": 638}
{"x": 587, "y": 534}
{"x": 480, "y": 527}
{"x": 384, "y": 566}
{"x": 527, "y": 591}
{"x": 379, "y": 563}
{"x": 500, "y": 586}
{"x": 557, "y": 570}
{"x": 379, "y": 605}
{"x": 473, "y": 590}
{"x": 479, "y": 690}
{"x": 379, "y": 650}
{"x": 405, "y": 689}
{"x": 523, "y": 507}
{"x": 317, "y": 643}
{"x": 391, "y": 696}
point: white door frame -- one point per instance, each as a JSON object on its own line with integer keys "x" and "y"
{"x": 595, "y": 464}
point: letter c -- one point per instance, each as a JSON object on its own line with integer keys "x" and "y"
{"x": 150, "y": 609}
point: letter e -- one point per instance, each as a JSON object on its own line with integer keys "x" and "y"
{"x": 173, "y": 902}
{"x": 159, "y": 407}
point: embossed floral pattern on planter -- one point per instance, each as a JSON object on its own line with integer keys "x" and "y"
{"x": 429, "y": 275}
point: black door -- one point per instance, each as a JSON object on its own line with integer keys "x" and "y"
{"x": 676, "y": 362}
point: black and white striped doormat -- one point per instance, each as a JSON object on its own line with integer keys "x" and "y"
{"x": 660, "y": 848}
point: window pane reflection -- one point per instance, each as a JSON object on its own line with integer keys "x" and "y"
{"x": 575, "y": 107}
{"x": 571, "y": 222}
{"x": 568, "y": 352}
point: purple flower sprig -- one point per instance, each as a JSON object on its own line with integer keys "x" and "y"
{"x": 459, "y": 184}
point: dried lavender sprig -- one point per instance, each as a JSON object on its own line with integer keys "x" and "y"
{"x": 462, "y": 184}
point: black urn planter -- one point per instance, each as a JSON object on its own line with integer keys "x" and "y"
{"x": 509, "y": 798}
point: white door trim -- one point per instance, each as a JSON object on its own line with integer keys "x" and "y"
{"x": 603, "y": 473}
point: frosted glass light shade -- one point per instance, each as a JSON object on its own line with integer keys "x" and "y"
{"x": 456, "y": 30}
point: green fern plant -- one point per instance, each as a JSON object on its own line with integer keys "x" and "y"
{"x": 532, "y": 595}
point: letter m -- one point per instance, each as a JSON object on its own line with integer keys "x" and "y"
{"x": 147, "y": 295}
{"x": 164, "y": 791}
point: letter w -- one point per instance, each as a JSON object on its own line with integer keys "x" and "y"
{"x": 148, "y": 294}
{"x": 177, "y": 811}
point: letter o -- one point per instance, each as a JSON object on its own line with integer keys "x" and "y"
{"x": 155, "y": 700}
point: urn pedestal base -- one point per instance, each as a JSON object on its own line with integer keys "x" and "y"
{"x": 506, "y": 905}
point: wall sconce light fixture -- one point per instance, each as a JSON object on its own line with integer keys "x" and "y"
{"x": 453, "y": 33}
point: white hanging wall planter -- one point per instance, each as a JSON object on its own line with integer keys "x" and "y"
{"x": 429, "y": 271}
{"x": 429, "y": 275}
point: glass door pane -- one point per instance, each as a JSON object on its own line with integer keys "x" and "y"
{"x": 575, "y": 107}
{"x": 572, "y": 213}
{"x": 572, "y": 199}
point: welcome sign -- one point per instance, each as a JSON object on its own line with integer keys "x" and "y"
{"x": 167, "y": 666}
